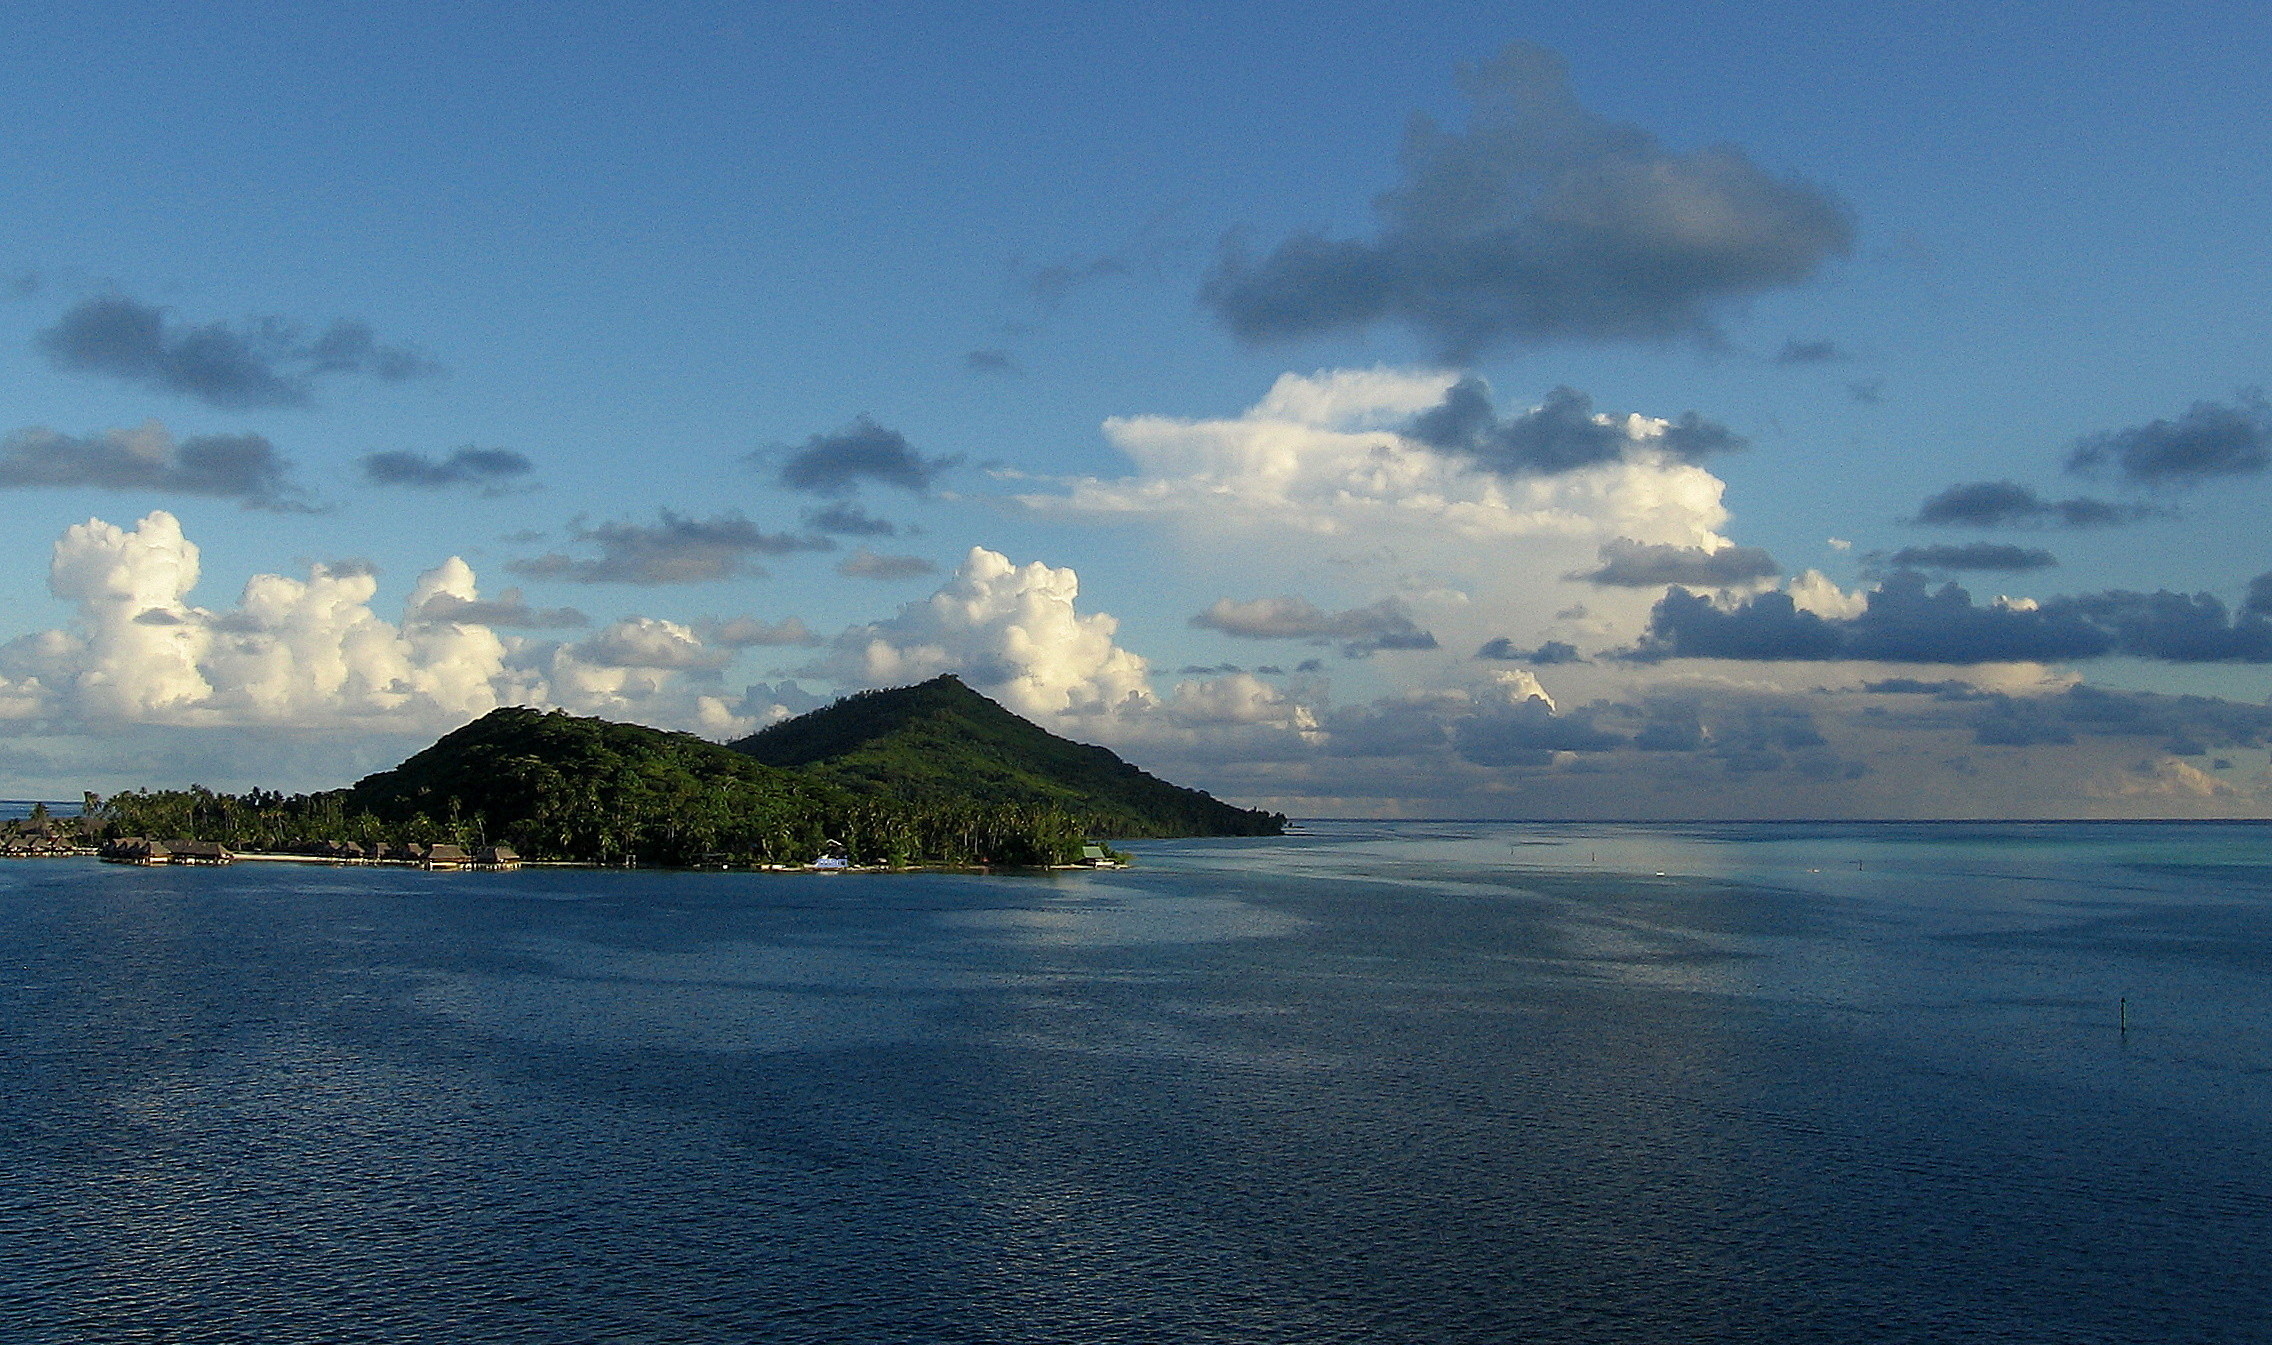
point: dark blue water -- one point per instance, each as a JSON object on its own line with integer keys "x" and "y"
{"x": 1434, "y": 1083}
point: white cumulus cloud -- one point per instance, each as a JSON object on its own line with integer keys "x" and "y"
{"x": 1016, "y": 633}
{"x": 1011, "y": 629}
{"x": 311, "y": 653}
{"x": 1323, "y": 453}
{"x": 292, "y": 652}
{"x": 1320, "y": 478}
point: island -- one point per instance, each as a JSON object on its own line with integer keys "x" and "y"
{"x": 931, "y": 774}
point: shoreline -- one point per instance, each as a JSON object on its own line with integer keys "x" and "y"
{"x": 266, "y": 857}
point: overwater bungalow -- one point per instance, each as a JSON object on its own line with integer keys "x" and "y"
{"x": 199, "y": 852}
{"x": 135, "y": 850}
{"x": 441, "y": 855}
{"x": 40, "y": 837}
{"x": 496, "y": 857}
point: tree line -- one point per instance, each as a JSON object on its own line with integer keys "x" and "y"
{"x": 617, "y": 822}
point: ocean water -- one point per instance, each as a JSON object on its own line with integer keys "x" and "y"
{"x": 1415, "y": 1082}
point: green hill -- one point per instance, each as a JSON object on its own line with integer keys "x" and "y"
{"x": 559, "y": 784}
{"x": 940, "y": 740}
{"x": 927, "y": 774}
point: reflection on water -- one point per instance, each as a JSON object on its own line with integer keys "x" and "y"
{"x": 1107, "y": 916}
{"x": 1428, "y": 1082}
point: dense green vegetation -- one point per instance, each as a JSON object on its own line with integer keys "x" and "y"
{"x": 929, "y": 774}
{"x": 941, "y": 740}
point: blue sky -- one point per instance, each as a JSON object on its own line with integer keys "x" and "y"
{"x": 651, "y": 253}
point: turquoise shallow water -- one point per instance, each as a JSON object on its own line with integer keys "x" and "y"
{"x": 1410, "y": 1082}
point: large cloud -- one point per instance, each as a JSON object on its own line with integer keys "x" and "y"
{"x": 1972, "y": 556}
{"x": 1338, "y": 454}
{"x": 2002, "y": 504}
{"x": 664, "y": 673}
{"x": 1013, "y": 630}
{"x": 1016, "y": 632}
{"x": 675, "y": 549}
{"x": 1906, "y": 621}
{"x": 490, "y": 470}
{"x": 1562, "y": 434}
{"x": 293, "y": 652}
{"x": 1520, "y": 726}
{"x": 1553, "y": 652}
{"x": 1715, "y": 747}
{"x": 1323, "y": 488}
{"x": 1362, "y": 631}
{"x": 1626, "y": 563}
{"x": 836, "y": 464}
{"x": 243, "y": 467}
{"x": 2209, "y": 440}
{"x": 1541, "y": 222}
{"x": 310, "y": 655}
{"x": 263, "y": 362}
{"x": 645, "y": 642}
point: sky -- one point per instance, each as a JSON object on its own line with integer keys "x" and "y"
{"x": 1620, "y": 411}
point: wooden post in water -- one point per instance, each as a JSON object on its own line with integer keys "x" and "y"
{"x": 2122, "y": 1015}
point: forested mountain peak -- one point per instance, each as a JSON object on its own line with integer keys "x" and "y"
{"x": 941, "y": 739}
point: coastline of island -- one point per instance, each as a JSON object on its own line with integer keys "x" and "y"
{"x": 933, "y": 776}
